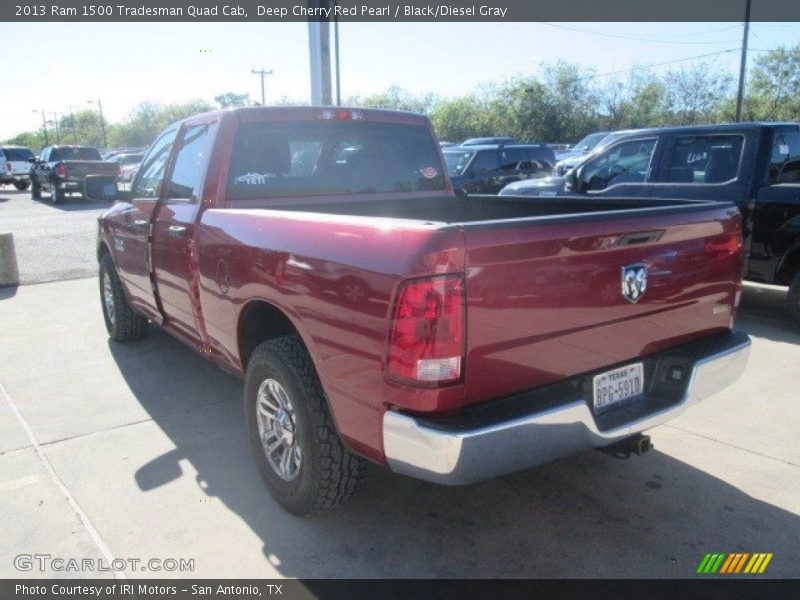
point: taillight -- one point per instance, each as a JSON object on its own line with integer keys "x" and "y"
{"x": 426, "y": 343}
{"x": 61, "y": 170}
{"x": 723, "y": 246}
{"x": 119, "y": 170}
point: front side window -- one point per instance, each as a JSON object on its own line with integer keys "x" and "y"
{"x": 784, "y": 166}
{"x": 457, "y": 161}
{"x": 150, "y": 174}
{"x": 189, "y": 164}
{"x": 313, "y": 158}
{"x": 704, "y": 159}
{"x": 628, "y": 162}
{"x": 484, "y": 162}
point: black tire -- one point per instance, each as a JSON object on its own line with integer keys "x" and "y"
{"x": 794, "y": 297}
{"x": 36, "y": 190}
{"x": 21, "y": 185}
{"x": 57, "y": 196}
{"x": 328, "y": 473}
{"x": 123, "y": 325}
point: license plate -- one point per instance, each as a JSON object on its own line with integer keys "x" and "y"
{"x": 613, "y": 387}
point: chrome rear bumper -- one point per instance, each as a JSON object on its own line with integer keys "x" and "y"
{"x": 463, "y": 451}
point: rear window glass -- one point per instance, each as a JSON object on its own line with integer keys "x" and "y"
{"x": 17, "y": 153}
{"x": 312, "y": 158}
{"x": 74, "y": 153}
{"x": 785, "y": 160}
{"x": 705, "y": 159}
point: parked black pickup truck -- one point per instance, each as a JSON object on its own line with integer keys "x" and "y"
{"x": 756, "y": 165}
{"x": 62, "y": 170}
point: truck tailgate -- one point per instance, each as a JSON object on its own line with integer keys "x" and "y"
{"x": 545, "y": 297}
{"x": 78, "y": 169}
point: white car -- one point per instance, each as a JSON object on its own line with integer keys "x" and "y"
{"x": 15, "y": 167}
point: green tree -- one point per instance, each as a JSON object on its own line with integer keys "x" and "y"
{"x": 232, "y": 99}
{"x": 774, "y": 90}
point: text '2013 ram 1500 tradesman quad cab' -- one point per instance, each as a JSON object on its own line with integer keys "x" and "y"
{"x": 322, "y": 255}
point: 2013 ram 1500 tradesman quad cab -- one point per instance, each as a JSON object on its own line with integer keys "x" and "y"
{"x": 322, "y": 255}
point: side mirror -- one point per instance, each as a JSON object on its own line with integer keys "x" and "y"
{"x": 572, "y": 180}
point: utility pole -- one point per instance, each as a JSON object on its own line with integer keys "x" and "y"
{"x": 44, "y": 126}
{"x": 743, "y": 64}
{"x": 56, "y": 116}
{"x": 319, "y": 50}
{"x": 74, "y": 126}
{"x": 102, "y": 121}
{"x": 263, "y": 73}
{"x": 336, "y": 50}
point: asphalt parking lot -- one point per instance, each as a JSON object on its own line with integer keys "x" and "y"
{"x": 138, "y": 452}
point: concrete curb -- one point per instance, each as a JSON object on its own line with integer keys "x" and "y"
{"x": 9, "y": 272}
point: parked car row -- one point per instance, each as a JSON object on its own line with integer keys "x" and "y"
{"x": 487, "y": 168}
{"x": 494, "y": 333}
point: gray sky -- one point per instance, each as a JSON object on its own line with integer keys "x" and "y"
{"x": 58, "y": 64}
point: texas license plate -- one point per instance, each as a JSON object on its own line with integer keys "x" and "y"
{"x": 613, "y": 387}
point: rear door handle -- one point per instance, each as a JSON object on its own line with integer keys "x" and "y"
{"x": 177, "y": 231}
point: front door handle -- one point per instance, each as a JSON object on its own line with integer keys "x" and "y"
{"x": 140, "y": 223}
{"x": 177, "y": 231}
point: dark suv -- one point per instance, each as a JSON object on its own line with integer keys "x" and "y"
{"x": 756, "y": 165}
{"x": 487, "y": 169}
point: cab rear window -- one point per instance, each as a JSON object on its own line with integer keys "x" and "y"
{"x": 312, "y": 158}
{"x": 17, "y": 154}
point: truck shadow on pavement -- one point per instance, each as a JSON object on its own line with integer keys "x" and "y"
{"x": 764, "y": 313}
{"x": 585, "y": 516}
{"x": 74, "y": 203}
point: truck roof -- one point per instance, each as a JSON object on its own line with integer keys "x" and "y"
{"x": 716, "y": 126}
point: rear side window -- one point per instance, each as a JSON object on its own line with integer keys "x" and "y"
{"x": 784, "y": 164}
{"x": 190, "y": 164}
{"x": 705, "y": 159}
{"x": 17, "y": 154}
{"x": 312, "y": 158}
{"x": 510, "y": 158}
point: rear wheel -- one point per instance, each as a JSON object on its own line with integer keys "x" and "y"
{"x": 36, "y": 190}
{"x": 57, "y": 196}
{"x": 122, "y": 324}
{"x": 21, "y": 185}
{"x": 300, "y": 456}
{"x": 794, "y": 297}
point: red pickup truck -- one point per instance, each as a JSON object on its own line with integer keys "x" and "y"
{"x": 322, "y": 255}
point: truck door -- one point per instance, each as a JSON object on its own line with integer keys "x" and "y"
{"x": 775, "y": 246}
{"x": 131, "y": 247}
{"x": 622, "y": 170}
{"x": 173, "y": 231}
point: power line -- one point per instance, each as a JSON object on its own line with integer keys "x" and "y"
{"x": 639, "y": 38}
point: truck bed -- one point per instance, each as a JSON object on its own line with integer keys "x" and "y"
{"x": 466, "y": 210}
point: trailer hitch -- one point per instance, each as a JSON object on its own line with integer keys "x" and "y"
{"x": 637, "y": 444}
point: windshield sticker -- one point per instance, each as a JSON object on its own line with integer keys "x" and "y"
{"x": 429, "y": 172}
{"x": 255, "y": 178}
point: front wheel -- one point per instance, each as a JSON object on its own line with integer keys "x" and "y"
{"x": 21, "y": 185}
{"x": 300, "y": 456}
{"x": 794, "y": 297}
{"x": 36, "y": 190}
{"x": 122, "y": 324}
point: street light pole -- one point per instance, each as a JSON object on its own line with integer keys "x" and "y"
{"x": 743, "y": 63}
{"x": 102, "y": 121}
{"x": 263, "y": 73}
{"x": 44, "y": 126}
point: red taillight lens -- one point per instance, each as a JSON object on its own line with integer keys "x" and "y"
{"x": 723, "y": 246}
{"x": 61, "y": 170}
{"x": 426, "y": 343}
